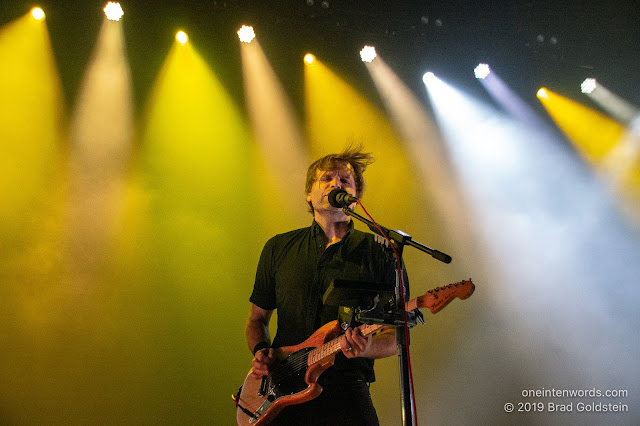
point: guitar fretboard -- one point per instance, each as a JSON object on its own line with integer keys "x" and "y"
{"x": 435, "y": 300}
{"x": 333, "y": 346}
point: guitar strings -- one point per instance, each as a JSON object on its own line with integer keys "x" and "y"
{"x": 293, "y": 363}
{"x": 291, "y": 366}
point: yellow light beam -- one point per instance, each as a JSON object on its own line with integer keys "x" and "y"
{"x": 337, "y": 113}
{"x": 276, "y": 131}
{"x": 593, "y": 134}
{"x": 101, "y": 133}
{"x": 196, "y": 166}
{"x": 608, "y": 146}
{"x": 31, "y": 119}
{"x": 32, "y": 142}
{"x": 31, "y": 124}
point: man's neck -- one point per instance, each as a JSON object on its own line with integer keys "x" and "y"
{"x": 334, "y": 227}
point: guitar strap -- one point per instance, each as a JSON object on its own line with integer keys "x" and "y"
{"x": 345, "y": 313}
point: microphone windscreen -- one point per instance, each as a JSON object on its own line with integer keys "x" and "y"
{"x": 333, "y": 195}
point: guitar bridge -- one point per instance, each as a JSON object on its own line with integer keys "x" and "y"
{"x": 264, "y": 407}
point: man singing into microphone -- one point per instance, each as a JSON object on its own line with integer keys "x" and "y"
{"x": 293, "y": 273}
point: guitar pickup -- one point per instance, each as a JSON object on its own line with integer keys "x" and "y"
{"x": 263, "y": 386}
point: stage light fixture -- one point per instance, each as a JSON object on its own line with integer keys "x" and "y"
{"x": 113, "y": 11}
{"x": 428, "y": 77}
{"x": 246, "y": 34}
{"x": 309, "y": 58}
{"x": 182, "y": 37}
{"x": 37, "y": 13}
{"x": 368, "y": 53}
{"x": 588, "y": 85}
{"x": 481, "y": 71}
{"x": 542, "y": 93}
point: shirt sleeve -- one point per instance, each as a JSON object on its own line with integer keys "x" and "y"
{"x": 264, "y": 288}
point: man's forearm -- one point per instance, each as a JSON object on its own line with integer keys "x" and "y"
{"x": 257, "y": 329}
{"x": 256, "y": 332}
{"x": 382, "y": 346}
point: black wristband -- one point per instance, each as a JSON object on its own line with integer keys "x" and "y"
{"x": 259, "y": 347}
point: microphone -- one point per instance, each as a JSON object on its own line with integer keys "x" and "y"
{"x": 340, "y": 198}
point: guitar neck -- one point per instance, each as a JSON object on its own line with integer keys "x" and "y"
{"x": 332, "y": 347}
{"x": 435, "y": 299}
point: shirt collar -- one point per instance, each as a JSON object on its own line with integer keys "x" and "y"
{"x": 316, "y": 229}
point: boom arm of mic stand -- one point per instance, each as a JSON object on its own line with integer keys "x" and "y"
{"x": 400, "y": 237}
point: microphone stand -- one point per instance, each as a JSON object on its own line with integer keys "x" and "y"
{"x": 401, "y": 239}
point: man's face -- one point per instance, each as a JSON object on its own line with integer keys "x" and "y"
{"x": 328, "y": 180}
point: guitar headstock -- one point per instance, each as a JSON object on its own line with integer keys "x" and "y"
{"x": 440, "y": 297}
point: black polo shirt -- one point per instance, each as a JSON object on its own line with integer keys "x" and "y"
{"x": 294, "y": 272}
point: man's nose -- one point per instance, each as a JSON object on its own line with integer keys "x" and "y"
{"x": 335, "y": 183}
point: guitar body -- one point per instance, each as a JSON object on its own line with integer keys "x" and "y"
{"x": 293, "y": 376}
{"x": 291, "y": 380}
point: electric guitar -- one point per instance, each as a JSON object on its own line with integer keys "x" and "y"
{"x": 292, "y": 378}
